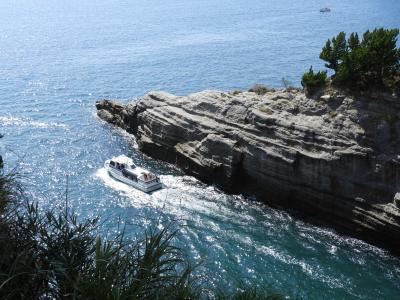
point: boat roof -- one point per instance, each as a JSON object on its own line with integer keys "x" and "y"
{"x": 122, "y": 159}
{"x": 138, "y": 171}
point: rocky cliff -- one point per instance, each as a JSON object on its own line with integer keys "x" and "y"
{"x": 334, "y": 159}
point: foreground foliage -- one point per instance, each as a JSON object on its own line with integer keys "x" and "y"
{"x": 55, "y": 257}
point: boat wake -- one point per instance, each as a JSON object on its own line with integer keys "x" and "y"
{"x": 180, "y": 195}
{"x": 173, "y": 186}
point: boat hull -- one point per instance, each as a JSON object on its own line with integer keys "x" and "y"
{"x": 147, "y": 188}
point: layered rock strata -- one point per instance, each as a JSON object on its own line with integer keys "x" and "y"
{"x": 333, "y": 159}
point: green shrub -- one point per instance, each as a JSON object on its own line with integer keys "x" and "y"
{"x": 313, "y": 81}
{"x": 236, "y": 92}
{"x": 372, "y": 62}
{"x": 259, "y": 89}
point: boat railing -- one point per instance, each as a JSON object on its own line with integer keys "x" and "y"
{"x": 147, "y": 181}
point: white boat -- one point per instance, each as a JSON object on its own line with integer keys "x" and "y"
{"x": 127, "y": 172}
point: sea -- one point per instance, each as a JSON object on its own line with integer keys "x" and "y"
{"x": 57, "y": 57}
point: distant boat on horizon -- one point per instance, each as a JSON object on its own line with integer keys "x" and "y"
{"x": 325, "y": 10}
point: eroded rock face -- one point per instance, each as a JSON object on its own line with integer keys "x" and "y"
{"x": 334, "y": 159}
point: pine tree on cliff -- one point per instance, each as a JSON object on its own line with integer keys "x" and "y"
{"x": 372, "y": 62}
{"x": 382, "y": 55}
{"x": 334, "y": 53}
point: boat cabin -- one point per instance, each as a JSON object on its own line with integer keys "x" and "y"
{"x": 121, "y": 166}
{"x": 130, "y": 175}
{"x": 132, "y": 172}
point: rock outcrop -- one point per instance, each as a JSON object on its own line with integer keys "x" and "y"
{"x": 334, "y": 159}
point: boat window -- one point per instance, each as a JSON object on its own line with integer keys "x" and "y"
{"x": 133, "y": 166}
{"x": 112, "y": 163}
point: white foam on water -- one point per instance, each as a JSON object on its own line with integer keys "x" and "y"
{"x": 28, "y": 122}
{"x": 332, "y": 249}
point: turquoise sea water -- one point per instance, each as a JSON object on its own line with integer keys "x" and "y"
{"x": 57, "y": 57}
